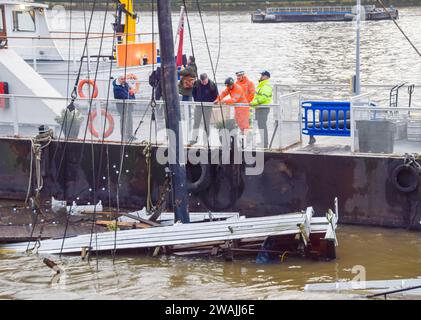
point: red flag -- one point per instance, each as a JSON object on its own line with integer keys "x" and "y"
{"x": 180, "y": 34}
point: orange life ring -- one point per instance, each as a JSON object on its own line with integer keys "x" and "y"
{"x": 91, "y": 83}
{"x": 132, "y": 76}
{"x": 110, "y": 121}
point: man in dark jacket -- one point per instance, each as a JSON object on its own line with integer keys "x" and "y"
{"x": 122, "y": 91}
{"x": 205, "y": 90}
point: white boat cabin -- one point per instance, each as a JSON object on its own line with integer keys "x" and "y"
{"x": 24, "y": 28}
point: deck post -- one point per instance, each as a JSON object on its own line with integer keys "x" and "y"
{"x": 172, "y": 107}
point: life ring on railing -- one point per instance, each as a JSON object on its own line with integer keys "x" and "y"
{"x": 133, "y": 82}
{"x": 405, "y": 178}
{"x": 202, "y": 182}
{"x": 110, "y": 121}
{"x": 91, "y": 83}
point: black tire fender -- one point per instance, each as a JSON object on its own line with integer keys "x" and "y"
{"x": 405, "y": 178}
{"x": 203, "y": 182}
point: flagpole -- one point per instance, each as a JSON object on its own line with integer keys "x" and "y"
{"x": 358, "y": 47}
{"x": 180, "y": 23}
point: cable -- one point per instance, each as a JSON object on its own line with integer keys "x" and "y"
{"x": 122, "y": 144}
{"x": 73, "y": 95}
{"x": 94, "y": 182}
{"x": 74, "y": 98}
{"x": 67, "y": 87}
{"x": 201, "y": 102}
{"x": 219, "y": 36}
{"x": 211, "y": 62}
{"x": 400, "y": 29}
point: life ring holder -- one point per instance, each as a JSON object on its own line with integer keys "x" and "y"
{"x": 90, "y": 82}
{"x": 110, "y": 121}
{"x": 203, "y": 182}
{"x": 405, "y": 178}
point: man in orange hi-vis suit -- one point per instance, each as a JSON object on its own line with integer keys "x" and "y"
{"x": 247, "y": 85}
{"x": 237, "y": 96}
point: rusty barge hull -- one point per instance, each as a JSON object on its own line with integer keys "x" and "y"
{"x": 289, "y": 182}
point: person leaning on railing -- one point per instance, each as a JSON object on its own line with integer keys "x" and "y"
{"x": 263, "y": 96}
{"x": 204, "y": 90}
{"x": 123, "y": 91}
{"x": 237, "y": 96}
{"x": 187, "y": 80}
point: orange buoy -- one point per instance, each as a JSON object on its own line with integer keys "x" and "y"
{"x": 110, "y": 121}
{"x": 91, "y": 83}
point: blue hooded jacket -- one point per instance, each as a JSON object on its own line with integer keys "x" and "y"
{"x": 122, "y": 91}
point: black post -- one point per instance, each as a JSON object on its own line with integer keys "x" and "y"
{"x": 172, "y": 105}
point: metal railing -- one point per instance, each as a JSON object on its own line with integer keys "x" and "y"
{"x": 61, "y": 45}
{"x": 377, "y": 129}
{"x": 25, "y": 114}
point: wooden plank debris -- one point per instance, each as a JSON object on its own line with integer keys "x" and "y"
{"x": 131, "y": 225}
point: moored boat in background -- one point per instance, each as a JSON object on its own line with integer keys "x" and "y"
{"x": 318, "y": 14}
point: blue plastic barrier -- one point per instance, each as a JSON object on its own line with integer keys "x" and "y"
{"x": 326, "y": 118}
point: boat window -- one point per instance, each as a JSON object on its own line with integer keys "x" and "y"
{"x": 24, "y": 21}
{"x": 1, "y": 20}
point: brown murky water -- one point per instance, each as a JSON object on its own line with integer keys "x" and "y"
{"x": 384, "y": 253}
{"x": 295, "y": 53}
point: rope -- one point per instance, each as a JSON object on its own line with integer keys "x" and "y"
{"x": 39, "y": 143}
{"x": 147, "y": 152}
{"x": 93, "y": 227}
{"x": 211, "y": 62}
{"x": 103, "y": 135}
{"x": 68, "y": 79}
{"x": 71, "y": 105}
{"x": 30, "y": 176}
{"x": 219, "y": 36}
{"x": 283, "y": 256}
{"x": 122, "y": 148}
{"x": 398, "y": 26}
{"x": 192, "y": 49}
{"x": 410, "y": 160}
{"x": 73, "y": 95}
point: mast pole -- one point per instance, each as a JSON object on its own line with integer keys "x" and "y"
{"x": 358, "y": 46}
{"x": 172, "y": 105}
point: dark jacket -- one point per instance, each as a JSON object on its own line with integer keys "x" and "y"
{"x": 122, "y": 91}
{"x": 155, "y": 82}
{"x": 207, "y": 93}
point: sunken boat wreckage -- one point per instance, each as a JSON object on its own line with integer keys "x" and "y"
{"x": 64, "y": 157}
